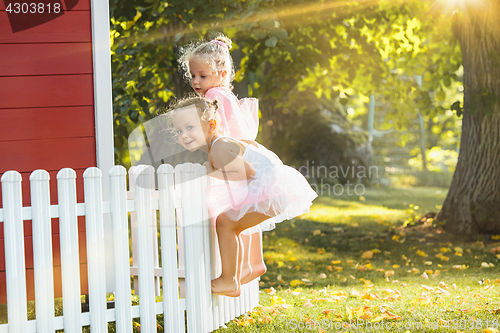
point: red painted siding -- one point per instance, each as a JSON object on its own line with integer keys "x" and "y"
{"x": 47, "y": 116}
{"x": 47, "y": 123}
{"x": 17, "y": 59}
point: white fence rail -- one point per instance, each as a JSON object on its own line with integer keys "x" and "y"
{"x": 188, "y": 252}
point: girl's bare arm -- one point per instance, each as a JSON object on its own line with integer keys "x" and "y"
{"x": 228, "y": 164}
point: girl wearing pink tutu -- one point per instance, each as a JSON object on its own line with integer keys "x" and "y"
{"x": 262, "y": 191}
{"x": 209, "y": 68}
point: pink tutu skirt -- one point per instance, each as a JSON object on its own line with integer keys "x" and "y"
{"x": 276, "y": 190}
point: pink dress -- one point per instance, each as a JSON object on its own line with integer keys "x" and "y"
{"x": 276, "y": 190}
{"x": 239, "y": 118}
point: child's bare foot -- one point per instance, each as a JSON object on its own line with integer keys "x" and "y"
{"x": 232, "y": 294}
{"x": 225, "y": 287}
{"x": 251, "y": 273}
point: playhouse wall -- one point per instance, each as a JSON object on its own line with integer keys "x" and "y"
{"x": 47, "y": 115}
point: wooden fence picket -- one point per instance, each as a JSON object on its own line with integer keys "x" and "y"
{"x": 118, "y": 184}
{"x": 42, "y": 251}
{"x": 145, "y": 248}
{"x": 188, "y": 243}
{"x": 70, "y": 259}
{"x": 95, "y": 249}
{"x": 14, "y": 251}
{"x": 173, "y": 317}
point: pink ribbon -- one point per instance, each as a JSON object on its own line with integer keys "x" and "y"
{"x": 220, "y": 43}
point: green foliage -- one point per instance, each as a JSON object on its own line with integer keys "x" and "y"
{"x": 288, "y": 46}
{"x": 438, "y": 160}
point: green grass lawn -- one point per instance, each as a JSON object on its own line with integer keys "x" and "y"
{"x": 351, "y": 265}
{"x": 364, "y": 264}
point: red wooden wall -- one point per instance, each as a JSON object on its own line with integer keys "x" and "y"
{"x": 47, "y": 114}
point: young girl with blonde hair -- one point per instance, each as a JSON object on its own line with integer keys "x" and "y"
{"x": 208, "y": 67}
{"x": 263, "y": 190}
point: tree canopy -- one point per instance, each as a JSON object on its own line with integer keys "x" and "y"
{"x": 291, "y": 55}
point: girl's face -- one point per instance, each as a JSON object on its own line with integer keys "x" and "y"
{"x": 192, "y": 133}
{"x": 202, "y": 77}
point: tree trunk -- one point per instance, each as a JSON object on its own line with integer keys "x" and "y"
{"x": 473, "y": 201}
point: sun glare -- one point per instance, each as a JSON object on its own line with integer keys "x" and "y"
{"x": 449, "y": 6}
{"x": 290, "y": 13}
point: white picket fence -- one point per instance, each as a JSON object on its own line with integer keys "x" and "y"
{"x": 181, "y": 203}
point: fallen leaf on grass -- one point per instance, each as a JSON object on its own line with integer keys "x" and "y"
{"x": 389, "y": 273}
{"x": 265, "y": 319}
{"x": 369, "y": 296}
{"x": 490, "y": 330}
{"x": 486, "y": 265}
{"x": 390, "y": 316}
{"x": 421, "y": 253}
{"x": 245, "y": 321}
{"x": 363, "y": 312}
{"x": 295, "y": 283}
{"x": 459, "y": 267}
{"x": 271, "y": 291}
{"x": 442, "y": 291}
{"x": 327, "y": 312}
{"x": 367, "y": 255}
{"x": 480, "y": 296}
{"x": 308, "y": 304}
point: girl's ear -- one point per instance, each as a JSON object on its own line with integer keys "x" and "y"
{"x": 212, "y": 126}
{"x": 224, "y": 73}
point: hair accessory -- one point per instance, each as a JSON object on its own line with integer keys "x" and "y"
{"x": 220, "y": 43}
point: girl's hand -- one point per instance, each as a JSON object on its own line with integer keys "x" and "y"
{"x": 208, "y": 166}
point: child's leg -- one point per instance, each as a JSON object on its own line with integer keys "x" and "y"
{"x": 243, "y": 251}
{"x": 246, "y": 268}
{"x": 257, "y": 265}
{"x": 227, "y": 233}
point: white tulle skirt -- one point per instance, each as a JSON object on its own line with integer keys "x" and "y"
{"x": 278, "y": 191}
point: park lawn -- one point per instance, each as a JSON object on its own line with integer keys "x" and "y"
{"x": 351, "y": 265}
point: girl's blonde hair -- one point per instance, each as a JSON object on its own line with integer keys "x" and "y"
{"x": 215, "y": 53}
{"x": 207, "y": 109}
